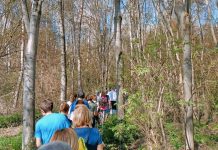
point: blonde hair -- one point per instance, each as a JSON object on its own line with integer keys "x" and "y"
{"x": 82, "y": 116}
{"x": 68, "y": 136}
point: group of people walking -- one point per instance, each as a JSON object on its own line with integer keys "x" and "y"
{"x": 76, "y": 119}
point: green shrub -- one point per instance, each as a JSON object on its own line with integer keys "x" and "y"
{"x": 10, "y": 121}
{"x": 11, "y": 143}
{"x": 206, "y": 134}
{"x": 118, "y": 134}
{"x": 174, "y": 135}
{"x": 14, "y": 120}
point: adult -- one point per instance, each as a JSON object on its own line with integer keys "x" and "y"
{"x": 104, "y": 107}
{"x": 72, "y": 99}
{"x": 80, "y": 100}
{"x": 66, "y": 135}
{"x": 93, "y": 109}
{"x": 64, "y": 108}
{"x": 49, "y": 123}
{"x": 112, "y": 101}
{"x": 82, "y": 121}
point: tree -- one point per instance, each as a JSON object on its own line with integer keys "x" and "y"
{"x": 63, "y": 51}
{"x": 211, "y": 22}
{"x": 19, "y": 81}
{"x": 80, "y": 89}
{"x": 182, "y": 12}
{"x": 32, "y": 28}
{"x": 118, "y": 56}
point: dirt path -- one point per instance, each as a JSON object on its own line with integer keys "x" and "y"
{"x": 12, "y": 131}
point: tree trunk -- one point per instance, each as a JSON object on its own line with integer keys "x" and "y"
{"x": 211, "y": 23}
{"x": 80, "y": 89}
{"x": 187, "y": 75}
{"x": 73, "y": 47}
{"x": 119, "y": 63}
{"x": 63, "y": 52}
{"x": 29, "y": 75}
{"x": 16, "y": 93}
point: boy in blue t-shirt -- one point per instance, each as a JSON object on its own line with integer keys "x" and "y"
{"x": 49, "y": 123}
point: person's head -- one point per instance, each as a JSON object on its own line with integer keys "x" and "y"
{"x": 81, "y": 95}
{"x": 73, "y": 97}
{"x": 64, "y": 108}
{"x": 68, "y": 136}
{"x": 46, "y": 106}
{"x": 80, "y": 101}
{"x": 89, "y": 98}
{"x": 58, "y": 145}
{"x": 82, "y": 116}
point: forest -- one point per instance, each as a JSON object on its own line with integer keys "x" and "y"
{"x": 160, "y": 55}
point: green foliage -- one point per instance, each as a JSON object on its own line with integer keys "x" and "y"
{"x": 174, "y": 134}
{"x": 13, "y": 120}
{"x": 11, "y": 143}
{"x": 177, "y": 49}
{"x": 205, "y": 134}
{"x": 118, "y": 133}
{"x": 10, "y": 121}
{"x": 142, "y": 70}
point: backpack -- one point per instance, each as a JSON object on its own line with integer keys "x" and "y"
{"x": 82, "y": 144}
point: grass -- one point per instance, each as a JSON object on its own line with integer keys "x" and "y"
{"x": 11, "y": 143}
{"x": 205, "y": 135}
{"x": 174, "y": 134}
{"x": 10, "y": 121}
{"x": 14, "y": 120}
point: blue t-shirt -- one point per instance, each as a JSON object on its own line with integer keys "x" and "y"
{"x": 91, "y": 135}
{"x": 49, "y": 124}
{"x": 73, "y": 105}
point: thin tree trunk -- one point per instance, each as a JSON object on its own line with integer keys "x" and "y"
{"x": 187, "y": 75}
{"x": 119, "y": 63}
{"x": 25, "y": 15}
{"x": 211, "y": 23}
{"x": 29, "y": 76}
{"x": 19, "y": 81}
{"x": 73, "y": 45}
{"x": 131, "y": 47}
{"x": 80, "y": 89}
{"x": 63, "y": 52}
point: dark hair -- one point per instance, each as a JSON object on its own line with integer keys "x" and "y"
{"x": 46, "y": 105}
{"x": 73, "y": 97}
{"x": 81, "y": 95}
{"x": 64, "y": 107}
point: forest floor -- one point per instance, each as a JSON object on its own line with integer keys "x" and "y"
{"x": 11, "y": 131}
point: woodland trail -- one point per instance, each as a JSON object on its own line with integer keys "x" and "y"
{"x": 11, "y": 131}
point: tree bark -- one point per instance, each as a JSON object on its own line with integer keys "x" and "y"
{"x": 25, "y": 15}
{"x": 119, "y": 63}
{"x": 187, "y": 75}
{"x": 29, "y": 75}
{"x": 211, "y": 23}
{"x": 80, "y": 89}
{"x": 19, "y": 81}
{"x": 63, "y": 52}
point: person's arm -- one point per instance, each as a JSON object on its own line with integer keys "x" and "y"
{"x": 38, "y": 142}
{"x": 100, "y": 147}
{"x": 38, "y": 135}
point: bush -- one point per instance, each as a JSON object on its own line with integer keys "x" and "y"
{"x": 14, "y": 120}
{"x": 174, "y": 134}
{"x": 118, "y": 134}
{"x": 11, "y": 143}
{"x": 10, "y": 121}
